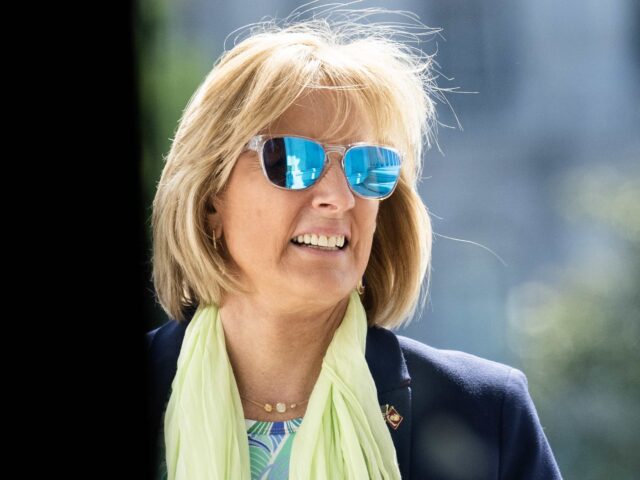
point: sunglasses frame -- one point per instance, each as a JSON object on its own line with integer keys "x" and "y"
{"x": 256, "y": 144}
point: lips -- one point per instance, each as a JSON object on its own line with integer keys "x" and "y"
{"x": 343, "y": 247}
{"x": 329, "y": 253}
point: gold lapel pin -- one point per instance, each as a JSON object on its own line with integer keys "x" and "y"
{"x": 391, "y": 415}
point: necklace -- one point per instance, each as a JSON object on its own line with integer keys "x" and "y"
{"x": 280, "y": 406}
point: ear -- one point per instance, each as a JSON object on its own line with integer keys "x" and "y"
{"x": 214, "y": 218}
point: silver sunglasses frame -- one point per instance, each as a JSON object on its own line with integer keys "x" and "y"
{"x": 257, "y": 142}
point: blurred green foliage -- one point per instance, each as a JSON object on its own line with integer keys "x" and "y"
{"x": 577, "y": 333}
{"x": 169, "y": 71}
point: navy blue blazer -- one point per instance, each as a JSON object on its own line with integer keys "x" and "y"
{"x": 459, "y": 416}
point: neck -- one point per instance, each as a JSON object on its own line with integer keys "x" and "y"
{"x": 276, "y": 350}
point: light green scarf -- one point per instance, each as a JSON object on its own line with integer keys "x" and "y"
{"x": 342, "y": 435}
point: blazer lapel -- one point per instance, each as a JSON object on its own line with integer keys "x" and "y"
{"x": 391, "y": 376}
{"x": 383, "y": 355}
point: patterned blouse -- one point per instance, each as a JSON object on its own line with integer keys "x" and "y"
{"x": 269, "y": 445}
{"x": 269, "y": 449}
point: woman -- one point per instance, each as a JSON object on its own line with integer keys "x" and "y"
{"x": 289, "y": 238}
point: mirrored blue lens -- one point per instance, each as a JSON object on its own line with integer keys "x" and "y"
{"x": 292, "y": 162}
{"x": 372, "y": 171}
{"x": 297, "y": 163}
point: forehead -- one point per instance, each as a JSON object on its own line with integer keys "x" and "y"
{"x": 324, "y": 117}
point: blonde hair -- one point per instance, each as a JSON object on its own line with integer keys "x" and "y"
{"x": 248, "y": 88}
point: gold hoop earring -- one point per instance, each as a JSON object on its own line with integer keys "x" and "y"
{"x": 215, "y": 243}
{"x": 360, "y": 287}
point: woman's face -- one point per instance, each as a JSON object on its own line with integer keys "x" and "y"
{"x": 259, "y": 220}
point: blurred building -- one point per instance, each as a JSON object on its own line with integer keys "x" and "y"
{"x": 557, "y": 87}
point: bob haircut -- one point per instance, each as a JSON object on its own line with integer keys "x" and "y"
{"x": 248, "y": 88}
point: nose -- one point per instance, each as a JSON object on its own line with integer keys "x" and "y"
{"x": 331, "y": 192}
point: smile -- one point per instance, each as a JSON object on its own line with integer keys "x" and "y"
{"x": 337, "y": 242}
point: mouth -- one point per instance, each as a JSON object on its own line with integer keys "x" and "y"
{"x": 318, "y": 247}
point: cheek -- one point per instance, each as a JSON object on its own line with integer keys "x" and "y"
{"x": 370, "y": 214}
{"x": 257, "y": 230}
{"x": 247, "y": 234}
{"x": 368, "y": 223}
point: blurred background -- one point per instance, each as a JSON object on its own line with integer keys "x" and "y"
{"x": 534, "y": 193}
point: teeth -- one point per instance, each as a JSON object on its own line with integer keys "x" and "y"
{"x": 320, "y": 240}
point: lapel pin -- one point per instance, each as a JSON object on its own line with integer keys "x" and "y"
{"x": 391, "y": 415}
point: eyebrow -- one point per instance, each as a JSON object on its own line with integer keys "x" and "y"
{"x": 350, "y": 141}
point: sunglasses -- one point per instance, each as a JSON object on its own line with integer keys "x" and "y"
{"x": 293, "y": 162}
